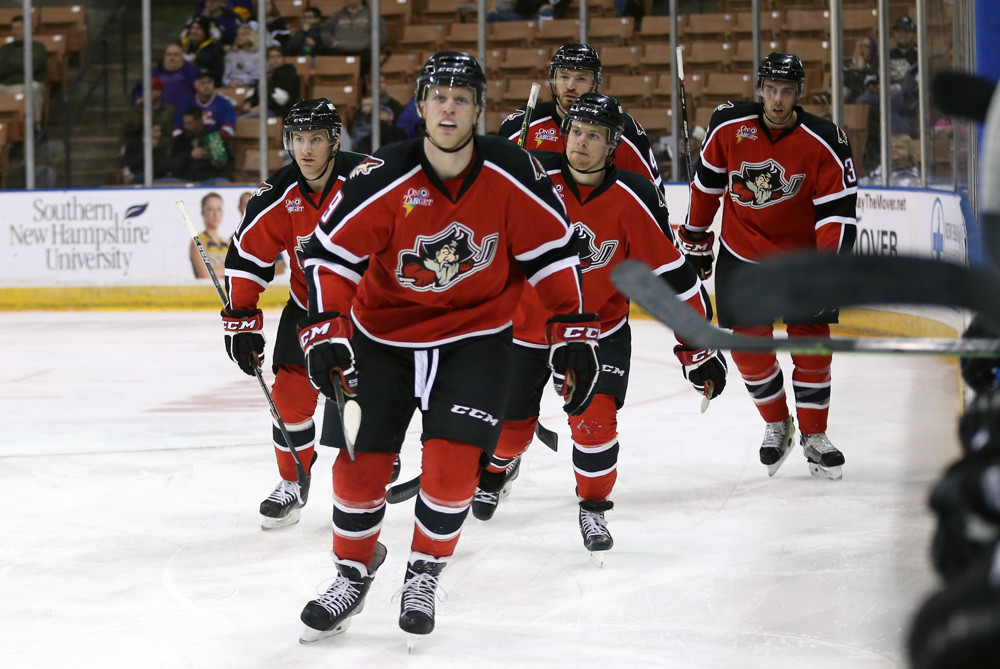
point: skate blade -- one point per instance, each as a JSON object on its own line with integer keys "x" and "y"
{"x": 830, "y": 473}
{"x": 310, "y": 635}
{"x": 268, "y": 523}
{"x": 597, "y": 557}
{"x": 772, "y": 469}
{"x": 411, "y": 641}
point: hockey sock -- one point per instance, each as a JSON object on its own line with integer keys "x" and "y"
{"x": 450, "y": 472}
{"x": 811, "y": 381}
{"x": 762, "y": 376}
{"x": 359, "y": 503}
{"x": 295, "y": 400}
{"x": 595, "y": 448}
{"x": 514, "y": 440}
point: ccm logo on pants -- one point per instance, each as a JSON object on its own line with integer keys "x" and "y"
{"x": 474, "y": 413}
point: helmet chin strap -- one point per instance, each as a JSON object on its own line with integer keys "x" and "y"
{"x": 329, "y": 162}
{"x": 456, "y": 149}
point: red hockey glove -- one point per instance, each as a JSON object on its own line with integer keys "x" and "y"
{"x": 244, "y": 339}
{"x": 698, "y": 248}
{"x": 701, "y": 366}
{"x": 572, "y": 342}
{"x": 325, "y": 340}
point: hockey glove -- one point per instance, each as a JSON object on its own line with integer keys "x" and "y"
{"x": 698, "y": 248}
{"x": 572, "y": 342}
{"x": 701, "y": 366}
{"x": 325, "y": 340}
{"x": 244, "y": 339}
{"x": 980, "y": 373}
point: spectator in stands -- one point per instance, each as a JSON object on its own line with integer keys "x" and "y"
{"x": 245, "y": 9}
{"x": 131, "y": 157}
{"x": 308, "y": 39}
{"x": 905, "y": 165}
{"x": 903, "y": 75}
{"x": 130, "y": 153}
{"x": 225, "y": 19}
{"x": 12, "y": 69}
{"x": 277, "y": 28}
{"x": 409, "y": 120}
{"x": 242, "y": 62}
{"x": 515, "y": 10}
{"x": 864, "y": 63}
{"x": 215, "y": 245}
{"x": 348, "y": 31}
{"x": 218, "y": 112}
{"x": 176, "y": 74}
{"x": 199, "y": 154}
{"x": 360, "y": 129}
{"x": 201, "y": 46}
{"x": 283, "y": 87}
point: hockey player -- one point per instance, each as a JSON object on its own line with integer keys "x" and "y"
{"x": 789, "y": 183}
{"x": 432, "y": 239}
{"x": 616, "y": 215}
{"x": 575, "y": 69}
{"x": 281, "y": 216}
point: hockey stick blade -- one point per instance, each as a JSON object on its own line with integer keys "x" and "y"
{"x": 798, "y": 286}
{"x": 403, "y": 491}
{"x": 547, "y": 436}
{"x": 650, "y": 292}
{"x": 349, "y": 412}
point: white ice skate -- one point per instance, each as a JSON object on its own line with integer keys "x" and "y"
{"x": 825, "y": 460}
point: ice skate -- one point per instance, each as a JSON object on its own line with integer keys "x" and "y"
{"x": 494, "y": 486}
{"x": 284, "y": 506}
{"x": 420, "y": 588}
{"x": 824, "y": 459}
{"x": 594, "y": 528}
{"x": 332, "y": 611}
{"x": 777, "y": 444}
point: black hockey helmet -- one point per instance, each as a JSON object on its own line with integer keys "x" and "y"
{"x": 318, "y": 114}
{"x": 782, "y": 67}
{"x": 452, "y": 68}
{"x": 577, "y": 57}
{"x": 599, "y": 109}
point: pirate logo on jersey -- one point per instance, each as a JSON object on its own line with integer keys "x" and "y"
{"x": 759, "y": 185}
{"x": 437, "y": 263}
{"x": 592, "y": 256}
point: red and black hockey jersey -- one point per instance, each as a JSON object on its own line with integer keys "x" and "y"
{"x": 623, "y": 217}
{"x": 280, "y": 216}
{"x": 793, "y": 190}
{"x": 427, "y": 262}
{"x": 634, "y": 152}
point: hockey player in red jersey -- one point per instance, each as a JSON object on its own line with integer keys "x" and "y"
{"x": 576, "y": 69}
{"x": 788, "y": 183}
{"x": 281, "y": 216}
{"x": 414, "y": 274}
{"x": 616, "y": 215}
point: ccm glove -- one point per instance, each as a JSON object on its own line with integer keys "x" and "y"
{"x": 572, "y": 340}
{"x": 698, "y": 248}
{"x": 325, "y": 340}
{"x": 701, "y": 366}
{"x": 980, "y": 373}
{"x": 244, "y": 339}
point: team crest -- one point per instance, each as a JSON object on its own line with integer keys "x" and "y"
{"x": 592, "y": 256}
{"x": 759, "y": 185}
{"x": 367, "y": 166}
{"x": 263, "y": 188}
{"x": 537, "y": 167}
{"x": 300, "y": 245}
{"x": 437, "y": 263}
{"x": 514, "y": 115}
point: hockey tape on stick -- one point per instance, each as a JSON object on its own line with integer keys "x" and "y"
{"x": 529, "y": 111}
{"x": 300, "y": 471}
{"x": 634, "y": 279}
{"x": 349, "y": 412}
{"x": 684, "y": 112}
{"x": 403, "y": 491}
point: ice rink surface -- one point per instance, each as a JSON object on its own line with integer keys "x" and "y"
{"x": 134, "y": 455}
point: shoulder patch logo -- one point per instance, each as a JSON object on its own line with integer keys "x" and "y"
{"x": 591, "y": 256}
{"x": 513, "y": 115}
{"x": 367, "y": 166}
{"x": 438, "y": 262}
{"x": 537, "y": 167}
{"x": 759, "y": 185}
{"x": 261, "y": 189}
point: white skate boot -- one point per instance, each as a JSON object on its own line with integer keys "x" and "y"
{"x": 824, "y": 459}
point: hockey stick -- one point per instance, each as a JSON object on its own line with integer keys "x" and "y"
{"x": 650, "y": 292}
{"x": 798, "y": 286}
{"x": 547, "y": 436}
{"x": 529, "y": 111}
{"x": 300, "y": 471}
{"x": 684, "y": 112}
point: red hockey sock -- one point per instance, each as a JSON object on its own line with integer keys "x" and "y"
{"x": 450, "y": 472}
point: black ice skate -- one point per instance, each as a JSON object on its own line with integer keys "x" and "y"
{"x": 331, "y": 613}
{"x": 777, "y": 444}
{"x": 416, "y": 606}
{"x": 284, "y": 505}
{"x": 594, "y": 528}
{"x": 824, "y": 459}
{"x": 494, "y": 486}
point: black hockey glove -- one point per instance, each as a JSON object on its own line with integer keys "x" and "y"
{"x": 979, "y": 426}
{"x": 701, "y": 366}
{"x": 698, "y": 248}
{"x": 980, "y": 373}
{"x": 244, "y": 339}
{"x": 325, "y": 340}
{"x": 572, "y": 342}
